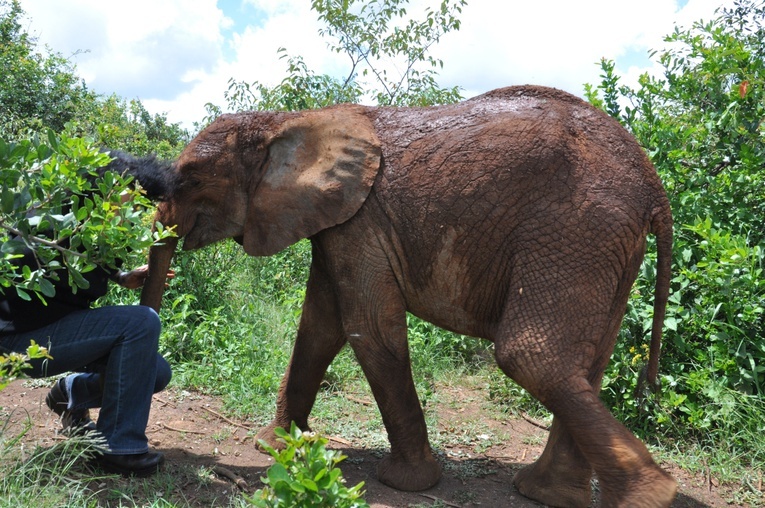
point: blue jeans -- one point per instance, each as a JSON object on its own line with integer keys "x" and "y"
{"x": 115, "y": 351}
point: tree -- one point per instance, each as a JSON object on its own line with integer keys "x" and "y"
{"x": 378, "y": 37}
{"x": 38, "y": 89}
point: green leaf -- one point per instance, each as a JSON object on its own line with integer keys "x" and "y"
{"x": 7, "y": 200}
{"x": 78, "y": 279}
{"x": 52, "y": 139}
{"x": 309, "y": 484}
{"x": 47, "y": 288}
{"x": 23, "y": 294}
{"x": 277, "y": 473}
{"x": 12, "y": 246}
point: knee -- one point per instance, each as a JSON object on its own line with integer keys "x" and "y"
{"x": 164, "y": 374}
{"x": 149, "y": 319}
{"x": 143, "y": 324}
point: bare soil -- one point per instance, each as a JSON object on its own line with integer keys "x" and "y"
{"x": 196, "y": 435}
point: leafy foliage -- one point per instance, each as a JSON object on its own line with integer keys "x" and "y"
{"x": 128, "y": 126}
{"x": 54, "y": 200}
{"x": 12, "y": 365}
{"x": 305, "y": 475}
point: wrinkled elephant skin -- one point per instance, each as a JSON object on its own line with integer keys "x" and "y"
{"x": 519, "y": 216}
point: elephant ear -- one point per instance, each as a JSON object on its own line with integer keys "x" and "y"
{"x": 319, "y": 170}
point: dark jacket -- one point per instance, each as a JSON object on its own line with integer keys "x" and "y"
{"x": 18, "y": 315}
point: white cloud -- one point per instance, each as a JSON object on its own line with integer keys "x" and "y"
{"x": 142, "y": 49}
{"x": 177, "y": 55}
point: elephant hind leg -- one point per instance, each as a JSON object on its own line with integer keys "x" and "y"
{"x": 627, "y": 473}
{"x": 564, "y": 374}
{"x": 585, "y": 435}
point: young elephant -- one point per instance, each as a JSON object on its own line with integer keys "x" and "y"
{"x": 519, "y": 216}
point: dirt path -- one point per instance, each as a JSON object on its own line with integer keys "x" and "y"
{"x": 193, "y": 431}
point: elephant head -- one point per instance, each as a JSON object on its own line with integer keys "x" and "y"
{"x": 267, "y": 180}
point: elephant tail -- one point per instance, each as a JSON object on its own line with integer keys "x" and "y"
{"x": 661, "y": 227}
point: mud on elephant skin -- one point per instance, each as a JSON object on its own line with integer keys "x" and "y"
{"x": 519, "y": 216}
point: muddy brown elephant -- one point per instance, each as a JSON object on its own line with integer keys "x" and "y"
{"x": 519, "y": 216}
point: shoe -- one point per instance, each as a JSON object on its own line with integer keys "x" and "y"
{"x": 140, "y": 465}
{"x": 73, "y": 422}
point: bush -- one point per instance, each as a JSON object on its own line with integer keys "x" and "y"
{"x": 306, "y": 475}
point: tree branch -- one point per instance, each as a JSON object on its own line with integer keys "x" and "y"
{"x": 41, "y": 241}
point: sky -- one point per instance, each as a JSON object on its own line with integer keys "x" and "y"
{"x": 177, "y": 55}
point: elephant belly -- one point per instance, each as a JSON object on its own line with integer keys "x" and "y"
{"x": 434, "y": 308}
{"x": 453, "y": 291}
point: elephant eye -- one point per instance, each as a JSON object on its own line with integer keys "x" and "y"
{"x": 191, "y": 183}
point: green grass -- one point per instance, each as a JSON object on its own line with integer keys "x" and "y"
{"x": 45, "y": 477}
{"x": 59, "y": 475}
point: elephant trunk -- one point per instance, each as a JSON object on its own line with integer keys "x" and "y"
{"x": 160, "y": 257}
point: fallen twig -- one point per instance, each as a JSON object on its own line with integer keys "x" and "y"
{"x": 438, "y": 499}
{"x": 163, "y": 401}
{"x": 226, "y": 419}
{"x": 227, "y": 473}
{"x": 340, "y": 440}
{"x": 534, "y": 422}
{"x": 360, "y": 401}
{"x": 168, "y": 427}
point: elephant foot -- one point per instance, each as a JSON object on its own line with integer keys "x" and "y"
{"x": 652, "y": 488}
{"x": 554, "y": 486}
{"x": 409, "y": 476}
{"x": 267, "y": 435}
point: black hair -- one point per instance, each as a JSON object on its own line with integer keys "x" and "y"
{"x": 155, "y": 176}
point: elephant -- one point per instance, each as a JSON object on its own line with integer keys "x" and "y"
{"x": 519, "y": 216}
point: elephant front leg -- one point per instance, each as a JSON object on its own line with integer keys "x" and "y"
{"x": 411, "y": 465}
{"x": 374, "y": 320}
{"x": 319, "y": 339}
{"x": 561, "y": 476}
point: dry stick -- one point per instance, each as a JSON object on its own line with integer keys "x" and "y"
{"x": 360, "y": 401}
{"x": 163, "y": 401}
{"x": 534, "y": 422}
{"x": 168, "y": 427}
{"x": 227, "y": 473}
{"x": 226, "y": 419}
{"x": 707, "y": 474}
{"x": 434, "y": 498}
{"x": 340, "y": 440}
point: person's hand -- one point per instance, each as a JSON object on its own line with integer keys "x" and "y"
{"x": 135, "y": 278}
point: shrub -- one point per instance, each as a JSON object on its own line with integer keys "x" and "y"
{"x": 306, "y": 475}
